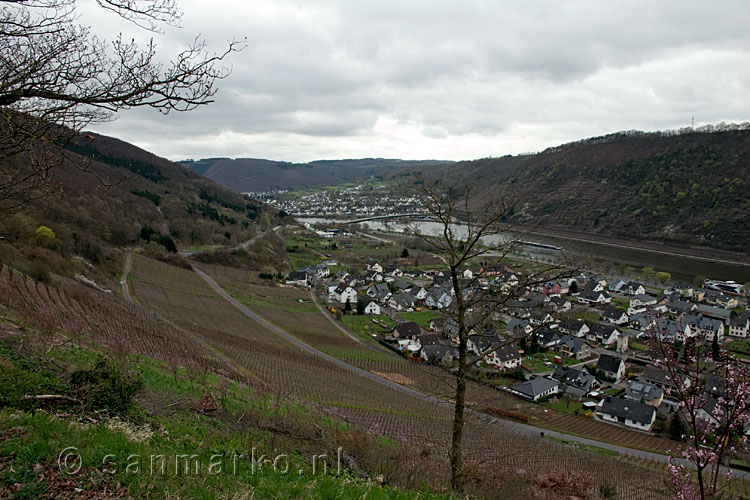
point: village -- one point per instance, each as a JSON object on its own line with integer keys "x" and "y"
{"x": 356, "y": 201}
{"x": 584, "y": 339}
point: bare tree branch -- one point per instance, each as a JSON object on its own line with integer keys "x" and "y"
{"x": 57, "y": 78}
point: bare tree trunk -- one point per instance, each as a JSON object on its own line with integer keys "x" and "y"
{"x": 456, "y": 459}
{"x": 457, "y": 475}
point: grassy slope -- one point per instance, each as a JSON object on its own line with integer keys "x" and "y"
{"x": 116, "y": 454}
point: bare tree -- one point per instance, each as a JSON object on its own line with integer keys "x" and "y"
{"x": 56, "y": 78}
{"x": 469, "y": 230}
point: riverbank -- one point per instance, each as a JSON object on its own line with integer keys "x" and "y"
{"x": 692, "y": 251}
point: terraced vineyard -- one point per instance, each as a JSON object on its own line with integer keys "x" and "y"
{"x": 286, "y": 370}
{"x": 281, "y": 305}
{"x": 605, "y": 432}
{"x": 70, "y": 309}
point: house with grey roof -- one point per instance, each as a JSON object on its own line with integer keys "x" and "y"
{"x": 517, "y": 326}
{"x": 704, "y": 326}
{"x": 536, "y": 388}
{"x": 633, "y": 288}
{"x": 372, "y": 308}
{"x": 591, "y": 297}
{"x": 641, "y": 321}
{"x": 379, "y": 292}
{"x": 716, "y": 385}
{"x": 506, "y": 357}
{"x": 401, "y": 301}
{"x": 438, "y": 353}
{"x": 578, "y": 378}
{"x": 640, "y": 302}
{"x": 717, "y": 313}
{"x": 299, "y": 278}
{"x": 612, "y": 366}
{"x": 663, "y": 379}
{"x": 615, "y": 316}
{"x": 603, "y": 333}
{"x": 573, "y": 347}
{"x": 627, "y": 412}
{"x": 676, "y": 305}
{"x": 547, "y": 337}
{"x": 576, "y": 328}
{"x": 739, "y": 326}
{"x": 644, "y": 392}
{"x": 669, "y": 330}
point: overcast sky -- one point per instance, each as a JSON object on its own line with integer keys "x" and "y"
{"x": 448, "y": 80}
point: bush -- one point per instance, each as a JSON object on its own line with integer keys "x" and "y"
{"x": 45, "y": 236}
{"x": 105, "y": 387}
{"x": 508, "y": 413}
{"x": 167, "y": 242}
{"x": 38, "y": 270}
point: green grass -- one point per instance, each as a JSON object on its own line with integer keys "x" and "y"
{"x": 422, "y": 318}
{"x": 739, "y": 345}
{"x": 201, "y": 248}
{"x": 585, "y": 447}
{"x": 364, "y": 326}
{"x": 637, "y": 346}
{"x": 146, "y": 455}
{"x": 220, "y": 461}
{"x": 300, "y": 307}
{"x": 565, "y": 406}
{"x": 541, "y": 357}
{"x": 300, "y": 260}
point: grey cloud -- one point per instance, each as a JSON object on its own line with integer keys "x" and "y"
{"x": 342, "y": 77}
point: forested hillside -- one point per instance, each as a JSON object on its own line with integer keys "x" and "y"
{"x": 691, "y": 188}
{"x": 109, "y": 194}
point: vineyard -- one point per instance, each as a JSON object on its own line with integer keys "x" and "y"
{"x": 89, "y": 316}
{"x": 345, "y": 396}
{"x": 195, "y": 316}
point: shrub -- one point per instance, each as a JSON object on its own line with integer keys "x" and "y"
{"x": 508, "y": 413}
{"x": 45, "y": 236}
{"x": 105, "y": 387}
{"x": 38, "y": 270}
{"x": 167, "y": 242}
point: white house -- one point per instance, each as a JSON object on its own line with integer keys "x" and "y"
{"x": 603, "y": 333}
{"x": 615, "y": 316}
{"x": 612, "y": 366}
{"x": 739, "y": 326}
{"x": 375, "y": 267}
{"x": 342, "y": 293}
{"x": 372, "y": 308}
{"x": 536, "y": 388}
{"x": 628, "y": 412}
{"x": 504, "y": 358}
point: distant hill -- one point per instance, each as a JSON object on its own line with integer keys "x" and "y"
{"x": 686, "y": 188}
{"x": 253, "y": 175}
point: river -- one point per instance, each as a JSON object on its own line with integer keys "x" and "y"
{"x": 681, "y": 267}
